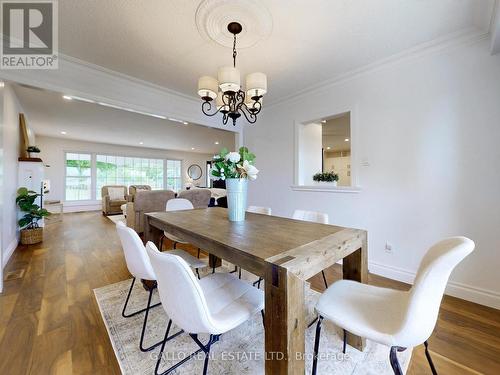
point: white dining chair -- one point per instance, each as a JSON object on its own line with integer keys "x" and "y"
{"x": 139, "y": 266}
{"x": 398, "y": 319}
{"x": 176, "y": 204}
{"x": 213, "y": 305}
{"x": 316, "y": 217}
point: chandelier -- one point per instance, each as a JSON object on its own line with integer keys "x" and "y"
{"x": 230, "y": 99}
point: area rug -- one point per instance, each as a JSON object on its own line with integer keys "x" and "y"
{"x": 239, "y": 351}
{"x": 117, "y": 218}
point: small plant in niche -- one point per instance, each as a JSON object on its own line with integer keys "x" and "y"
{"x": 32, "y": 150}
{"x": 327, "y": 177}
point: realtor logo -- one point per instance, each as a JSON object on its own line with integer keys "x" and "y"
{"x": 29, "y": 35}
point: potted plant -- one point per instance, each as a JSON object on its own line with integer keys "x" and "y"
{"x": 236, "y": 168}
{"x": 32, "y": 150}
{"x": 31, "y": 233}
{"x": 326, "y": 178}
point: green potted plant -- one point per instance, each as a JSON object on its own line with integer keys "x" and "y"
{"x": 31, "y": 233}
{"x": 32, "y": 150}
{"x": 326, "y": 178}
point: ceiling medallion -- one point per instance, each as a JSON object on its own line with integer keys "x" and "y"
{"x": 230, "y": 99}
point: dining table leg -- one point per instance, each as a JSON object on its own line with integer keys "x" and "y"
{"x": 151, "y": 233}
{"x": 355, "y": 267}
{"x": 284, "y": 322}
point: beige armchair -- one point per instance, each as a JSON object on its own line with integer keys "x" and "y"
{"x": 111, "y": 205}
{"x": 133, "y": 189}
{"x": 200, "y": 198}
{"x": 146, "y": 201}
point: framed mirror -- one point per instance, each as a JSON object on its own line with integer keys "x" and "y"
{"x": 194, "y": 172}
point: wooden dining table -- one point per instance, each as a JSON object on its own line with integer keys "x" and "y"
{"x": 285, "y": 253}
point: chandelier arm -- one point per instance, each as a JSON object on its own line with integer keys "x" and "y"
{"x": 207, "y": 111}
{"x": 250, "y": 117}
{"x": 234, "y": 51}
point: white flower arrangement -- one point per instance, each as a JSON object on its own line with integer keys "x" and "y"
{"x": 234, "y": 165}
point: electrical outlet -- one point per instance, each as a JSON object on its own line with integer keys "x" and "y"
{"x": 388, "y": 247}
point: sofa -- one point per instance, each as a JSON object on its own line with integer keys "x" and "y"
{"x": 133, "y": 189}
{"x": 144, "y": 202}
{"x": 200, "y": 198}
{"x": 111, "y": 204}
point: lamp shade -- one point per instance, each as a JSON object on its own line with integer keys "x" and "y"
{"x": 256, "y": 84}
{"x": 208, "y": 87}
{"x": 224, "y": 108}
{"x": 229, "y": 79}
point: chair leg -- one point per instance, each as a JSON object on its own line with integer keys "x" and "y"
{"x": 257, "y": 283}
{"x": 239, "y": 274}
{"x": 324, "y": 279}
{"x": 429, "y": 359}
{"x": 141, "y": 342}
{"x": 316, "y": 346}
{"x": 175, "y": 245}
{"x": 125, "y": 315}
{"x": 161, "y": 242}
{"x": 198, "y": 253}
{"x": 344, "y": 347}
{"x": 263, "y": 318}
{"x": 393, "y": 357}
{"x": 198, "y": 273}
{"x": 235, "y": 269}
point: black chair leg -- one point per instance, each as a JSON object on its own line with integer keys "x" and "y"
{"x": 311, "y": 324}
{"x": 324, "y": 279}
{"x": 263, "y": 318}
{"x": 124, "y": 314}
{"x": 429, "y": 359}
{"x": 316, "y": 346}
{"x": 393, "y": 357}
{"x": 257, "y": 283}
{"x": 235, "y": 269}
{"x": 141, "y": 343}
{"x": 239, "y": 274}
{"x": 198, "y": 273}
{"x": 345, "y": 342}
{"x": 175, "y": 245}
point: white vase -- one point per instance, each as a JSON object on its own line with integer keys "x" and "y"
{"x": 236, "y": 191}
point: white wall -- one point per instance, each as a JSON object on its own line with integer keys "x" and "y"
{"x": 426, "y": 130}
{"x": 10, "y": 142}
{"x": 310, "y": 144}
{"x": 53, "y": 149}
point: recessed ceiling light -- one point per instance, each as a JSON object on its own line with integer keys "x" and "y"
{"x": 346, "y": 140}
{"x": 328, "y": 148}
{"x": 323, "y": 121}
{"x": 67, "y": 97}
{"x": 192, "y": 148}
{"x": 63, "y": 132}
{"x": 2, "y": 84}
{"x": 186, "y": 123}
{"x": 216, "y": 142}
{"x": 141, "y": 143}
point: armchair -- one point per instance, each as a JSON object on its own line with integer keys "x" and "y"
{"x": 144, "y": 202}
{"x": 200, "y": 198}
{"x": 111, "y": 203}
{"x": 134, "y": 189}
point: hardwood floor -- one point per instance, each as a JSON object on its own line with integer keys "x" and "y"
{"x": 50, "y": 322}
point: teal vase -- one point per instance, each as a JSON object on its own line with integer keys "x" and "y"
{"x": 236, "y": 191}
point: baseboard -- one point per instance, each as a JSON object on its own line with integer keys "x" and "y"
{"x": 9, "y": 250}
{"x": 469, "y": 293}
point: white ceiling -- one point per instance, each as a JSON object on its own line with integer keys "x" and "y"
{"x": 48, "y": 114}
{"x": 310, "y": 41}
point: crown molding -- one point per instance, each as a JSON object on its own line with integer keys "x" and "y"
{"x": 118, "y": 75}
{"x": 434, "y": 46}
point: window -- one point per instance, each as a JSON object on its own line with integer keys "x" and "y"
{"x": 78, "y": 177}
{"x": 174, "y": 177}
{"x": 120, "y": 170}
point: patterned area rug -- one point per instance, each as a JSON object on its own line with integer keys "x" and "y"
{"x": 239, "y": 351}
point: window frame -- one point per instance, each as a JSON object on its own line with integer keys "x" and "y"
{"x": 92, "y": 162}
{"x": 93, "y": 171}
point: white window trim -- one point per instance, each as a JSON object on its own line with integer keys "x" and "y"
{"x": 93, "y": 173}
{"x": 355, "y": 186}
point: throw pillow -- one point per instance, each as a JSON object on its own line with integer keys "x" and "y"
{"x": 116, "y": 194}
